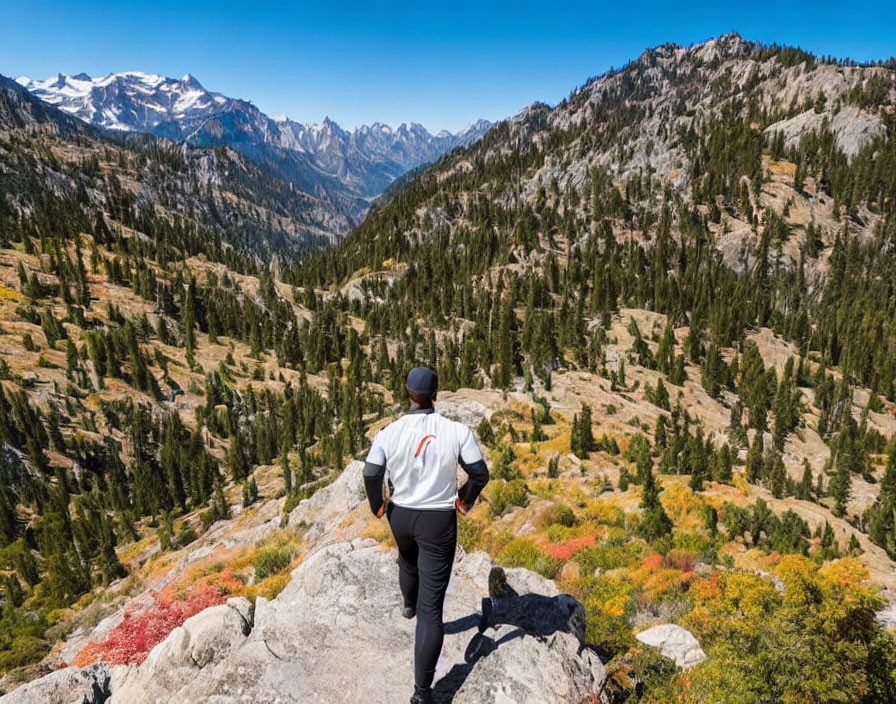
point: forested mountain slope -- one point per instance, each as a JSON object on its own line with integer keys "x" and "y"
{"x": 138, "y": 178}
{"x": 666, "y": 304}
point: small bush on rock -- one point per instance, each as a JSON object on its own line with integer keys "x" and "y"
{"x": 272, "y": 560}
{"x": 508, "y": 494}
{"x": 522, "y": 552}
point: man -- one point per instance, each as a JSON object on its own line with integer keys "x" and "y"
{"x": 421, "y": 450}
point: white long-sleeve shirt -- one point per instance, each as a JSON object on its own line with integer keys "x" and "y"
{"x": 421, "y": 451}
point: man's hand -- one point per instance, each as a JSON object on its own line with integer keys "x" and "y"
{"x": 461, "y": 507}
{"x": 379, "y": 514}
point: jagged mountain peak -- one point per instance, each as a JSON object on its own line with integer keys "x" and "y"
{"x": 352, "y": 166}
{"x": 126, "y": 101}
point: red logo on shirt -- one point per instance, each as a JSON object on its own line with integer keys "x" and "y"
{"x": 422, "y": 444}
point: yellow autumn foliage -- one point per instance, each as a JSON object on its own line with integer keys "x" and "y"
{"x": 846, "y": 572}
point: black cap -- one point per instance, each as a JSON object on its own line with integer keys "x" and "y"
{"x": 422, "y": 381}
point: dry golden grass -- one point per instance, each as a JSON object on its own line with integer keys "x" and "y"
{"x": 786, "y": 168}
{"x": 128, "y": 554}
{"x": 683, "y": 507}
{"x": 378, "y": 530}
{"x": 269, "y": 588}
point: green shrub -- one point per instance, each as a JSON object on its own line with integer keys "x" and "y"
{"x": 521, "y": 552}
{"x": 486, "y": 433}
{"x": 22, "y": 639}
{"x": 469, "y": 534}
{"x": 186, "y": 534}
{"x": 505, "y": 495}
{"x": 609, "y": 635}
{"x": 559, "y": 534}
{"x": 609, "y": 556}
{"x": 272, "y": 560}
{"x": 23, "y": 650}
{"x": 503, "y": 468}
{"x": 606, "y": 514}
{"x": 207, "y": 518}
{"x": 559, "y": 514}
{"x": 45, "y": 363}
{"x": 695, "y": 543}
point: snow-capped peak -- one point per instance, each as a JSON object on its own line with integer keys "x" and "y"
{"x": 129, "y": 100}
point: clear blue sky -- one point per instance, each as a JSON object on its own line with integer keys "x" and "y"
{"x": 443, "y": 65}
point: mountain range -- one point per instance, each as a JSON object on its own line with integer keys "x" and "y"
{"x": 349, "y": 168}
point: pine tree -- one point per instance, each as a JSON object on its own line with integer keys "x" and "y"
{"x": 755, "y": 459}
{"x": 724, "y": 465}
{"x": 538, "y": 434}
{"x": 286, "y": 469}
{"x": 586, "y": 433}
{"x": 778, "y": 478}
{"x": 654, "y": 521}
{"x": 506, "y": 344}
{"x": 554, "y": 467}
{"x": 659, "y": 435}
{"x": 236, "y": 458}
{"x": 804, "y": 489}
{"x": 624, "y": 479}
{"x": 665, "y": 353}
{"x": 840, "y": 488}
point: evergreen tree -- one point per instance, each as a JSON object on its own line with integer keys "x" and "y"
{"x": 840, "y": 489}
{"x": 654, "y": 521}
{"x": 755, "y": 459}
{"x": 237, "y": 460}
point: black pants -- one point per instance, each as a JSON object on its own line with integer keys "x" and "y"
{"x": 426, "y": 544}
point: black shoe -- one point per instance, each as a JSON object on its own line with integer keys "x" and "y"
{"x": 408, "y": 611}
{"x": 422, "y": 696}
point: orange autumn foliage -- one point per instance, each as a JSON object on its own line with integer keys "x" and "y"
{"x": 565, "y": 550}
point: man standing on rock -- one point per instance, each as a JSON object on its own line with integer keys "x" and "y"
{"x": 421, "y": 450}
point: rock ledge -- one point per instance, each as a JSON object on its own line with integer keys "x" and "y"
{"x": 335, "y": 634}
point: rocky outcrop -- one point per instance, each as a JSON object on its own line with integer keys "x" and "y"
{"x": 71, "y": 685}
{"x": 327, "y": 509}
{"x": 335, "y": 634}
{"x": 675, "y": 643}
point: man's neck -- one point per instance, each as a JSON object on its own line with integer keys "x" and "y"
{"x": 421, "y": 407}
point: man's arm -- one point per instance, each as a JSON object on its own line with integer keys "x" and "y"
{"x": 374, "y": 473}
{"x": 474, "y": 465}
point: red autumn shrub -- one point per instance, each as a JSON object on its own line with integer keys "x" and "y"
{"x": 140, "y": 631}
{"x": 653, "y": 561}
{"x": 565, "y": 550}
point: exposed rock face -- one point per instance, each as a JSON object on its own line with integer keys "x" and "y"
{"x": 852, "y": 127}
{"x": 335, "y": 634}
{"x": 675, "y": 643}
{"x": 323, "y": 512}
{"x": 464, "y": 407}
{"x": 199, "y": 648}
{"x": 68, "y": 686}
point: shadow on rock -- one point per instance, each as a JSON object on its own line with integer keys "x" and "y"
{"x": 533, "y": 615}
